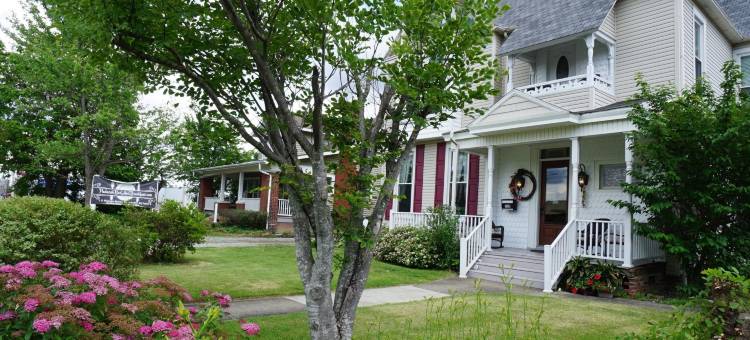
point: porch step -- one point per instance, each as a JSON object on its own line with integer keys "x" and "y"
{"x": 519, "y": 266}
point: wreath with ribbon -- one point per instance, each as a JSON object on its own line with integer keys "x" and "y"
{"x": 518, "y": 183}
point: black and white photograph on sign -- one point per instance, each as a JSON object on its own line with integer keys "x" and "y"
{"x": 109, "y": 192}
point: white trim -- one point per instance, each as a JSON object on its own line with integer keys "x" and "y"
{"x": 699, "y": 19}
{"x": 508, "y": 96}
{"x": 738, "y": 55}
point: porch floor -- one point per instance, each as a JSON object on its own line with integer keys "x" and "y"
{"x": 519, "y": 267}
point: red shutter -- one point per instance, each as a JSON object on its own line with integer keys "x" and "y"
{"x": 439, "y": 174}
{"x": 473, "y": 201}
{"x": 418, "y": 179}
{"x": 388, "y": 208}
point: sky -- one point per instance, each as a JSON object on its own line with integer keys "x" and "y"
{"x": 10, "y": 8}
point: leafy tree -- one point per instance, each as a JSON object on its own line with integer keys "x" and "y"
{"x": 203, "y": 141}
{"x": 71, "y": 115}
{"x": 691, "y": 183}
{"x": 305, "y": 78}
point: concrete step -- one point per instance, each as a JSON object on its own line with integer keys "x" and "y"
{"x": 536, "y": 273}
{"x": 528, "y": 261}
{"x": 515, "y": 280}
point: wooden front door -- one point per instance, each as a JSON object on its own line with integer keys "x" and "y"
{"x": 553, "y": 212}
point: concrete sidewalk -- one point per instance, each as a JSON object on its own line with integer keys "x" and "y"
{"x": 240, "y": 241}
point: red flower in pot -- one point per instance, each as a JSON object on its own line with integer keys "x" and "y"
{"x": 598, "y": 277}
{"x": 574, "y": 290}
{"x": 590, "y": 282}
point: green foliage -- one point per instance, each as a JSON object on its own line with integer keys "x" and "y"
{"x": 407, "y": 246}
{"x": 692, "y": 153}
{"x": 442, "y": 224}
{"x": 37, "y": 228}
{"x": 713, "y": 314}
{"x": 582, "y": 275}
{"x": 243, "y": 219}
{"x": 169, "y": 232}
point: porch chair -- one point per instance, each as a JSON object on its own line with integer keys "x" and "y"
{"x": 498, "y": 235}
{"x": 594, "y": 242}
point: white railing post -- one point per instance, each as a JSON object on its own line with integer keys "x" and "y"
{"x": 462, "y": 270}
{"x": 547, "y": 269}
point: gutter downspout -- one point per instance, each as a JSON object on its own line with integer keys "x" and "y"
{"x": 270, "y": 187}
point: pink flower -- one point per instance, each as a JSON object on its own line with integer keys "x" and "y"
{"x": 81, "y": 314}
{"x": 7, "y": 315}
{"x": 192, "y": 309}
{"x": 85, "y": 297}
{"x": 59, "y": 281}
{"x": 92, "y": 267}
{"x": 57, "y": 321}
{"x": 182, "y": 333}
{"x": 78, "y": 276}
{"x": 52, "y": 272}
{"x": 6, "y": 269}
{"x": 145, "y": 330}
{"x": 86, "y": 326}
{"x": 65, "y": 298}
{"x": 41, "y": 325}
{"x": 116, "y": 336}
{"x": 250, "y": 328}
{"x": 13, "y": 283}
{"x": 130, "y": 307}
{"x": 205, "y": 292}
{"x": 223, "y": 300}
{"x": 50, "y": 264}
{"x": 161, "y": 326}
{"x": 186, "y": 297}
{"x": 30, "y": 304}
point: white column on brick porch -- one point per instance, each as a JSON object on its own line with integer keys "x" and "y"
{"x": 489, "y": 191}
{"x": 590, "y": 41}
{"x": 240, "y": 185}
{"x": 222, "y": 187}
{"x": 575, "y": 161}
{"x": 628, "y": 262}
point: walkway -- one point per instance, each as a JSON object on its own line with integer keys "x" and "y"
{"x": 240, "y": 241}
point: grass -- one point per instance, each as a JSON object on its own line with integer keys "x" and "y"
{"x": 235, "y": 232}
{"x": 265, "y": 271}
{"x": 459, "y": 318}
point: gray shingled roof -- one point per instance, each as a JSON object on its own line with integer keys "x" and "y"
{"x": 738, "y": 12}
{"x": 536, "y": 22}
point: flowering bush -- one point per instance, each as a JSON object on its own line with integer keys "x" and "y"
{"x": 407, "y": 246}
{"x": 40, "y": 301}
{"x": 39, "y": 228}
{"x": 581, "y": 276}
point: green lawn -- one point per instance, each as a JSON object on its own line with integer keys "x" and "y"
{"x": 265, "y": 271}
{"x": 458, "y": 318}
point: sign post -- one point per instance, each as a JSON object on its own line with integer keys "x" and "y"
{"x": 110, "y": 192}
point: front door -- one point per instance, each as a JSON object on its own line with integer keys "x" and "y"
{"x": 553, "y": 212}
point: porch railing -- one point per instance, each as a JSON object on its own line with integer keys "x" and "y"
{"x": 473, "y": 245}
{"x": 596, "y": 239}
{"x": 284, "y": 208}
{"x": 210, "y": 202}
{"x": 565, "y": 84}
{"x": 466, "y": 223}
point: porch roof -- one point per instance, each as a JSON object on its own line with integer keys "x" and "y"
{"x": 256, "y": 165}
{"x": 536, "y": 22}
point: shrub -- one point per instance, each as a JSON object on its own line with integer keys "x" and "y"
{"x": 713, "y": 314}
{"x": 407, "y": 246}
{"x": 38, "y": 228}
{"x": 583, "y": 276}
{"x": 243, "y": 219}
{"x": 41, "y": 301}
{"x": 442, "y": 224}
{"x": 169, "y": 232}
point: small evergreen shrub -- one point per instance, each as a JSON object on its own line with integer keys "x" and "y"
{"x": 442, "y": 225}
{"x": 407, "y": 246}
{"x": 169, "y": 232}
{"x": 243, "y": 219}
{"x": 40, "y": 228}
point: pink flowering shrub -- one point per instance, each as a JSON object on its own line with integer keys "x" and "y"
{"x": 40, "y": 301}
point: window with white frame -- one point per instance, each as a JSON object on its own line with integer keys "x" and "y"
{"x": 405, "y": 184}
{"x": 462, "y": 183}
{"x": 251, "y": 186}
{"x": 699, "y": 45}
{"x": 745, "y": 66}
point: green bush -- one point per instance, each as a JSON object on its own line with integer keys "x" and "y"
{"x": 442, "y": 226}
{"x": 581, "y": 276}
{"x": 39, "y": 228}
{"x": 407, "y": 246}
{"x": 713, "y": 314}
{"x": 169, "y": 232}
{"x": 243, "y": 219}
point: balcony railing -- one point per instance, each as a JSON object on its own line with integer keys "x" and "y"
{"x": 565, "y": 84}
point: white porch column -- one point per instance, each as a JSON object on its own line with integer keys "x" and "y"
{"x": 611, "y": 57}
{"x": 628, "y": 262}
{"x": 454, "y": 175}
{"x": 489, "y": 192}
{"x": 394, "y": 205}
{"x": 575, "y": 161}
{"x": 509, "y": 85}
{"x": 222, "y": 187}
{"x": 241, "y": 186}
{"x": 590, "y": 66}
{"x": 447, "y": 176}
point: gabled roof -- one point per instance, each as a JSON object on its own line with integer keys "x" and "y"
{"x": 517, "y": 110}
{"x": 738, "y": 12}
{"x": 535, "y": 22}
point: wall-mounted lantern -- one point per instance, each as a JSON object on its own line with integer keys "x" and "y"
{"x": 583, "y": 181}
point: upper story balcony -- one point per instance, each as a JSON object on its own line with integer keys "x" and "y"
{"x": 571, "y": 68}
